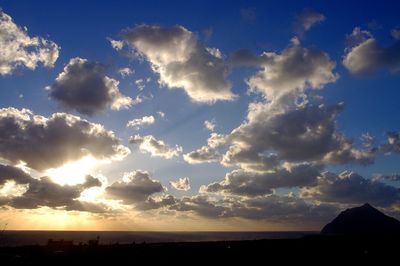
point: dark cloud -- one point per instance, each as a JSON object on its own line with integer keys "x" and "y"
{"x": 203, "y": 155}
{"x": 393, "y": 143}
{"x": 351, "y": 188}
{"x": 12, "y": 173}
{"x": 182, "y": 61}
{"x": 365, "y": 54}
{"x": 44, "y": 192}
{"x": 18, "y": 49}
{"x": 84, "y": 87}
{"x": 44, "y": 143}
{"x": 251, "y": 184}
{"x": 135, "y": 188}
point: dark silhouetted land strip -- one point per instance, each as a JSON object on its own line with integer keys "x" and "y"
{"x": 315, "y": 249}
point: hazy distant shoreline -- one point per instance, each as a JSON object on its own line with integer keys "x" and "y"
{"x": 21, "y": 238}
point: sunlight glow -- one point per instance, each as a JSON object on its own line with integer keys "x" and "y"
{"x": 74, "y": 172}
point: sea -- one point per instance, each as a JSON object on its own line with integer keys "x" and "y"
{"x": 24, "y": 238}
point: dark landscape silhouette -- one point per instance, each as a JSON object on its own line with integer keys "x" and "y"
{"x": 362, "y": 234}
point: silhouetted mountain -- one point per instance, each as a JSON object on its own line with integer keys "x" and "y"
{"x": 363, "y": 220}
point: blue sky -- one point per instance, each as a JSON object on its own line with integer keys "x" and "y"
{"x": 84, "y": 28}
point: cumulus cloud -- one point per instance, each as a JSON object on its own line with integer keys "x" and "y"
{"x": 138, "y": 122}
{"x": 84, "y": 87}
{"x": 306, "y": 133}
{"x": 181, "y": 61}
{"x": 117, "y": 45}
{"x": 44, "y": 143}
{"x": 134, "y": 188}
{"x": 203, "y": 155}
{"x": 155, "y": 147}
{"x": 270, "y": 207}
{"x": 306, "y": 20}
{"x": 181, "y": 184}
{"x": 126, "y": 71}
{"x": 210, "y": 125}
{"x": 351, "y": 188}
{"x": 8, "y": 173}
{"x": 393, "y": 143}
{"x": 294, "y": 70}
{"x": 44, "y": 192}
{"x": 18, "y": 49}
{"x": 251, "y": 184}
{"x": 365, "y": 54}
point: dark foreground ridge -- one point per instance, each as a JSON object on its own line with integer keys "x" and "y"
{"x": 363, "y": 220}
{"x": 311, "y": 249}
{"x": 360, "y": 235}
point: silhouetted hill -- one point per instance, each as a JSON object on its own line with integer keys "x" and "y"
{"x": 363, "y": 220}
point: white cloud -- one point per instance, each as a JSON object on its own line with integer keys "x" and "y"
{"x": 137, "y": 122}
{"x": 306, "y": 20}
{"x": 365, "y": 54}
{"x": 161, "y": 114}
{"x": 18, "y": 49}
{"x": 210, "y": 125}
{"x": 117, "y": 45}
{"x": 181, "y": 184}
{"x": 83, "y": 86}
{"x": 156, "y": 148}
{"x": 181, "y": 61}
{"x": 126, "y": 71}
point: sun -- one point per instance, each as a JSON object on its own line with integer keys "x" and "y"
{"x": 73, "y": 173}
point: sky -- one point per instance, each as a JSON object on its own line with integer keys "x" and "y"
{"x": 227, "y": 116}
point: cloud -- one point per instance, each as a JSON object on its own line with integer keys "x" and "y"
{"x": 210, "y": 125}
{"x": 18, "y": 49}
{"x": 203, "y": 155}
{"x": 351, "y": 188}
{"x": 161, "y": 114}
{"x": 364, "y": 54}
{"x": 135, "y": 187}
{"x": 15, "y": 174}
{"x": 181, "y": 61}
{"x": 44, "y": 192}
{"x": 273, "y": 207}
{"x": 117, "y": 45}
{"x": 181, "y": 184}
{"x": 292, "y": 71}
{"x": 306, "y": 20}
{"x": 126, "y": 71}
{"x": 156, "y": 148}
{"x": 251, "y": 184}
{"x": 137, "y": 122}
{"x": 84, "y": 87}
{"x": 395, "y": 34}
{"x": 295, "y": 134}
{"x": 44, "y": 143}
{"x": 393, "y": 143}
